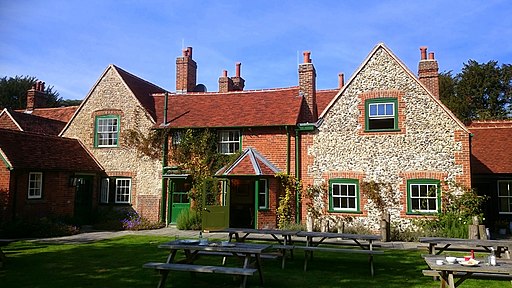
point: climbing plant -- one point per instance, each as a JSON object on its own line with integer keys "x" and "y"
{"x": 285, "y": 210}
{"x": 147, "y": 144}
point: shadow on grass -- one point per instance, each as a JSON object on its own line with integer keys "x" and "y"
{"x": 118, "y": 263}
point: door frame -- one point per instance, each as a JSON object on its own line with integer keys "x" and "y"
{"x": 171, "y": 178}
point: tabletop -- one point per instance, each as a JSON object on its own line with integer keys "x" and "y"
{"x": 338, "y": 235}
{"x": 232, "y": 247}
{"x": 502, "y": 267}
{"x": 259, "y": 231}
{"x": 479, "y": 242}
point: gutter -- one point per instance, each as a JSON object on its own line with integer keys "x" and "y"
{"x": 164, "y": 164}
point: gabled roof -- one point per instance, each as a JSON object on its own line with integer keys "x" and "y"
{"x": 491, "y": 147}
{"x": 48, "y": 121}
{"x": 250, "y": 163}
{"x": 406, "y": 70}
{"x": 141, "y": 89}
{"x": 250, "y": 108}
{"x": 23, "y": 150}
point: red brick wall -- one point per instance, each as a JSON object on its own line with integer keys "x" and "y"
{"x": 5, "y": 196}
{"x": 463, "y": 158}
{"x": 268, "y": 218}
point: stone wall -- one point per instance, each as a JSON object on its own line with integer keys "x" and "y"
{"x": 111, "y": 96}
{"x": 429, "y": 139}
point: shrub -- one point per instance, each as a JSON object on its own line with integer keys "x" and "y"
{"x": 43, "y": 227}
{"x": 134, "y": 221}
{"x": 188, "y": 220}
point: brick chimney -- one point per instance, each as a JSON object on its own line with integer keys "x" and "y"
{"x": 307, "y": 89}
{"x": 428, "y": 72}
{"x": 341, "y": 80}
{"x": 238, "y": 81}
{"x": 36, "y": 97}
{"x": 225, "y": 83}
{"x": 186, "y": 72}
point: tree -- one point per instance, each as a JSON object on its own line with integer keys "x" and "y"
{"x": 481, "y": 91}
{"x": 13, "y": 92}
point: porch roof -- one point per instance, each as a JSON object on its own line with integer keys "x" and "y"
{"x": 250, "y": 163}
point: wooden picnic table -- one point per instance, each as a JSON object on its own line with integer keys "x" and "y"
{"x": 437, "y": 245}
{"x": 241, "y": 234}
{"x": 249, "y": 254}
{"x": 448, "y": 272}
{"x": 314, "y": 239}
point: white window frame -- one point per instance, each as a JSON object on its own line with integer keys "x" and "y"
{"x": 505, "y": 197}
{"x": 123, "y": 191}
{"x": 347, "y": 197}
{"x": 35, "y": 185}
{"x": 228, "y": 141}
{"x": 427, "y": 197}
{"x": 105, "y": 189}
{"x": 263, "y": 190}
{"x": 109, "y": 130}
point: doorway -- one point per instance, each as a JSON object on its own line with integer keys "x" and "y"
{"x": 242, "y": 203}
{"x": 83, "y": 199}
{"x": 179, "y": 200}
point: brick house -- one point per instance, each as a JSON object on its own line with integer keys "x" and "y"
{"x": 491, "y": 167}
{"x": 385, "y": 124}
{"x": 43, "y": 175}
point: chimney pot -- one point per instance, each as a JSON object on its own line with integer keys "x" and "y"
{"x": 431, "y": 55}
{"x": 423, "y": 50}
{"x": 189, "y": 54}
{"x": 238, "y": 64}
{"x": 42, "y": 86}
{"x": 341, "y": 80}
{"x": 307, "y": 57}
{"x": 224, "y": 73}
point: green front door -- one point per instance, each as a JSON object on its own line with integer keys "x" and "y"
{"x": 179, "y": 201}
{"x": 216, "y": 209}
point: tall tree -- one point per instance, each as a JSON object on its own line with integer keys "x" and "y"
{"x": 13, "y": 92}
{"x": 481, "y": 91}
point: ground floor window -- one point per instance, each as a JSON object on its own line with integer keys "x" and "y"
{"x": 344, "y": 195}
{"x": 423, "y": 196}
{"x": 35, "y": 185}
{"x": 116, "y": 190}
{"x": 505, "y": 196}
{"x": 262, "y": 188}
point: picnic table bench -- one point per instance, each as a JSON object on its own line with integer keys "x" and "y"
{"x": 437, "y": 245}
{"x": 248, "y": 253}
{"x": 314, "y": 239}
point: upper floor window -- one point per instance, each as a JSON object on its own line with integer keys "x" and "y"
{"x": 344, "y": 195}
{"x": 423, "y": 196}
{"x": 381, "y": 114}
{"x": 505, "y": 196}
{"x": 107, "y": 131}
{"x": 35, "y": 185}
{"x": 229, "y": 141}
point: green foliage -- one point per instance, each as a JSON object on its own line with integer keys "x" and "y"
{"x": 481, "y": 91}
{"x": 381, "y": 194}
{"x": 188, "y": 220}
{"x": 404, "y": 233}
{"x": 149, "y": 144}
{"x": 309, "y": 195}
{"x": 285, "y": 212}
{"x": 135, "y": 222}
{"x": 13, "y": 92}
{"x": 43, "y": 227}
{"x": 457, "y": 212}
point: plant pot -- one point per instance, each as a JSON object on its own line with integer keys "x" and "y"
{"x": 502, "y": 231}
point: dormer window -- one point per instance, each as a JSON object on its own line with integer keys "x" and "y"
{"x": 381, "y": 114}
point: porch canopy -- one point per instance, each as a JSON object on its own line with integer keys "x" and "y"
{"x": 250, "y": 163}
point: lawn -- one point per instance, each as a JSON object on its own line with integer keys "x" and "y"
{"x": 118, "y": 263}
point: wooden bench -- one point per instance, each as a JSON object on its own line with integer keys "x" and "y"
{"x": 283, "y": 251}
{"x": 201, "y": 269}
{"x": 435, "y": 274}
{"x": 224, "y": 255}
{"x": 308, "y": 253}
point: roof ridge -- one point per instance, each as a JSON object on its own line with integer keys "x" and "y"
{"x": 119, "y": 69}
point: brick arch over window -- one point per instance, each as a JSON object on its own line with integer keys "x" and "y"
{"x": 435, "y": 175}
{"x": 107, "y": 112}
{"x": 378, "y": 94}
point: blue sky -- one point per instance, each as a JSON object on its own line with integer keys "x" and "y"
{"x": 69, "y": 43}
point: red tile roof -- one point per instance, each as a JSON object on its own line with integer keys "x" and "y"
{"x": 233, "y": 109}
{"x": 249, "y": 163}
{"x": 491, "y": 147}
{"x": 58, "y": 113}
{"x": 323, "y": 98}
{"x": 142, "y": 89}
{"x": 24, "y": 150}
{"x": 38, "y": 123}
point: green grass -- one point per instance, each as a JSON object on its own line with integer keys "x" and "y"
{"x": 118, "y": 263}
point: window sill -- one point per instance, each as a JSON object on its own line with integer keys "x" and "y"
{"x": 383, "y": 130}
{"x": 264, "y": 209}
{"x": 345, "y": 211}
{"x": 422, "y": 213}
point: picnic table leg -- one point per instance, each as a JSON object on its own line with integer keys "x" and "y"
{"x": 258, "y": 264}
{"x": 371, "y": 264}
{"x": 307, "y": 254}
{"x": 163, "y": 277}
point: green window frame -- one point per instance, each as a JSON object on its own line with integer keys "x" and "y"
{"x": 423, "y": 196}
{"x": 107, "y": 130}
{"x": 381, "y": 114}
{"x": 505, "y": 196}
{"x": 263, "y": 199}
{"x": 344, "y": 195}
{"x": 35, "y": 185}
{"x": 229, "y": 141}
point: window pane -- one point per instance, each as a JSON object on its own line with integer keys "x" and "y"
{"x": 336, "y": 189}
{"x": 415, "y": 204}
{"x": 373, "y": 110}
{"x": 352, "y": 203}
{"x": 336, "y": 202}
{"x": 344, "y": 203}
{"x": 432, "y": 204}
{"x": 415, "y": 191}
{"x": 423, "y": 190}
{"x": 343, "y": 190}
{"x": 381, "y": 109}
{"x": 351, "y": 190}
{"x": 389, "y": 109}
